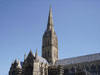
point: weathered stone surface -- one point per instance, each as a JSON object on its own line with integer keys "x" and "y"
{"x": 49, "y": 64}
{"x": 50, "y": 42}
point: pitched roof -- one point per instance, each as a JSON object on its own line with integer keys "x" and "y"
{"x": 80, "y": 59}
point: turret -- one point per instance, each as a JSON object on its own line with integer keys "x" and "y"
{"x": 16, "y": 68}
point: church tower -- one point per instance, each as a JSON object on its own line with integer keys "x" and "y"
{"x": 50, "y": 42}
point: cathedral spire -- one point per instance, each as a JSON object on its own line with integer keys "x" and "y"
{"x": 50, "y": 20}
{"x": 50, "y": 42}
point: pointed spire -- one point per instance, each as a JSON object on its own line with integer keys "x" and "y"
{"x": 25, "y": 56}
{"x": 50, "y": 20}
{"x": 30, "y": 53}
{"x": 36, "y": 54}
{"x": 16, "y": 60}
{"x": 17, "y": 63}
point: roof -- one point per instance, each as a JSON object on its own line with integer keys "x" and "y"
{"x": 80, "y": 59}
{"x": 42, "y": 60}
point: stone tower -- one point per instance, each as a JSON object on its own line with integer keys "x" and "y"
{"x": 50, "y": 42}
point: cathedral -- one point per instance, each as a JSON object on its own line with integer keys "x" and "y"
{"x": 50, "y": 64}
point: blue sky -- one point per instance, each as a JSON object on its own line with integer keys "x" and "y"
{"x": 23, "y": 22}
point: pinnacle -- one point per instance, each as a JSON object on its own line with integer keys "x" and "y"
{"x": 25, "y": 56}
{"x": 36, "y": 54}
{"x": 30, "y": 53}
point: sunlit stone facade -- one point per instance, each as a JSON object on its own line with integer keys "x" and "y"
{"x": 49, "y": 64}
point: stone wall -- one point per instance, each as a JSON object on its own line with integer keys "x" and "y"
{"x": 87, "y": 68}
